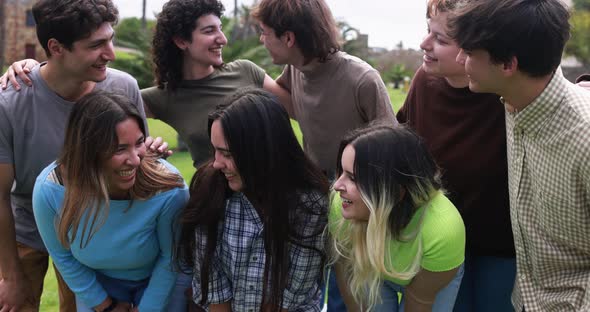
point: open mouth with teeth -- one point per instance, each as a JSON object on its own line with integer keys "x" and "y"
{"x": 126, "y": 173}
{"x": 346, "y": 201}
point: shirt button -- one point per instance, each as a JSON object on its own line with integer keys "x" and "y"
{"x": 250, "y": 310}
{"x": 251, "y": 287}
{"x": 254, "y": 258}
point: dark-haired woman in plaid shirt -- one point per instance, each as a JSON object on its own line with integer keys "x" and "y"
{"x": 253, "y": 230}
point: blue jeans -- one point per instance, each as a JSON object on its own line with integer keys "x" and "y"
{"x": 118, "y": 289}
{"x": 132, "y": 292}
{"x": 335, "y": 301}
{"x": 487, "y": 284}
{"x": 444, "y": 301}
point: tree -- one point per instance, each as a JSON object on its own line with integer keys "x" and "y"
{"x": 582, "y": 5}
{"x": 136, "y": 60}
{"x": 579, "y": 43}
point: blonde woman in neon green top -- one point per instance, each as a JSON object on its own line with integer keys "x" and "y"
{"x": 393, "y": 229}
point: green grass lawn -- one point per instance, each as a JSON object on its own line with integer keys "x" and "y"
{"x": 182, "y": 161}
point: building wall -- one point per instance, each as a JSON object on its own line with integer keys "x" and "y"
{"x": 18, "y": 37}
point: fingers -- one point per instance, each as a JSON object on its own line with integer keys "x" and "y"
{"x": 148, "y": 141}
{"x": 163, "y": 149}
{"x": 21, "y": 72}
{"x": 156, "y": 144}
{"x": 3, "y": 85}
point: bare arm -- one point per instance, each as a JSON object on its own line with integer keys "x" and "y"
{"x": 283, "y": 94}
{"x": 221, "y": 307}
{"x": 14, "y": 286}
{"x": 421, "y": 292}
{"x": 19, "y": 69}
{"x": 351, "y": 305}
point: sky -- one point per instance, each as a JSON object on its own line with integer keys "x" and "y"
{"x": 387, "y": 22}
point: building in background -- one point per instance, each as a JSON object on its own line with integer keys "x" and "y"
{"x": 18, "y": 39}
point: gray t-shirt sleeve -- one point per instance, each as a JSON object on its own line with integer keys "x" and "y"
{"x": 125, "y": 84}
{"x": 6, "y": 152}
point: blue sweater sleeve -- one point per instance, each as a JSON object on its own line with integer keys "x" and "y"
{"x": 163, "y": 276}
{"x": 81, "y": 279}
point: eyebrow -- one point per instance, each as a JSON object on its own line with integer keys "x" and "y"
{"x": 141, "y": 138}
{"x": 210, "y": 26}
{"x": 222, "y": 149}
{"x": 100, "y": 41}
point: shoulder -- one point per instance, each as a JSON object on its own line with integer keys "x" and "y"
{"x": 240, "y": 66}
{"x": 153, "y": 93}
{"x": 119, "y": 81}
{"x": 443, "y": 236}
{"x": 45, "y": 184}
{"x": 355, "y": 66}
{"x": 12, "y": 101}
{"x": 441, "y": 213}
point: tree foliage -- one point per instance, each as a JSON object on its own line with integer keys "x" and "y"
{"x": 579, "y": 43}
{"x": 135, "y": 57}
{"x": 582, "y": 5}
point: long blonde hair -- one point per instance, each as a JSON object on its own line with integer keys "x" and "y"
{"x": 395, "y": 175}
{"x": 90, "y": 141}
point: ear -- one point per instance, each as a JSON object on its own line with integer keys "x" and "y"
{"x": 510, "y": 67}
{"x": 180, "y": 43}
{"x": 55, "y": 47}
{"x": 288, "y": 38}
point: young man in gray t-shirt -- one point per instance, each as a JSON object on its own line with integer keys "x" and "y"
{"x": 77, "y": 37}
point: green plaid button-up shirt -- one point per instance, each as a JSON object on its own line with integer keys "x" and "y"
{"x": 549, "y": 182}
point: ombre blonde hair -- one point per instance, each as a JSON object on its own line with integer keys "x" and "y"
{"x": 91, "y": 139}
{"x": 395, "y": 175}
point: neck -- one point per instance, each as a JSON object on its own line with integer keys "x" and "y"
{"x": 195, "y": 71}
{"x": 298, "y": 61}
{"x": 523, "y": 90}
{"x": 68, "y": 88}
{"x": 458, "y": 82}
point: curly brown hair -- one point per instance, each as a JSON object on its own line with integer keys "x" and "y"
{"x": 178, "y": 19}
{"x": 68, "y": 21}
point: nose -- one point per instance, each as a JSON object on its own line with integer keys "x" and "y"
{"x": 217, "y": 163}
{"x": 136, "y": 156}
{"x": 338, "y": 185}
{"x": 222, "y": 39}
{"x": 109, "y": 52}
{"x": 426, "y": 44}
{"x": 461, "y": 56}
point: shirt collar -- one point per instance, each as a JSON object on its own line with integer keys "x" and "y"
{"x": 532, "y": 118}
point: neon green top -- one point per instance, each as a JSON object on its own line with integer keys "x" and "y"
{"x": 442, "y": 234}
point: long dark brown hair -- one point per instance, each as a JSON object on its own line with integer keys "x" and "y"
{"x": 274, "y": 172}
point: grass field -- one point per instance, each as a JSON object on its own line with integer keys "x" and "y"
{"x": 182, "y": 161}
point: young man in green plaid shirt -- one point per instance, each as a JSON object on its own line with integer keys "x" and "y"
{"x": 513, "y": 48}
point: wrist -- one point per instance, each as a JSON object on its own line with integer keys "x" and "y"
{"x": 106, "y": 306}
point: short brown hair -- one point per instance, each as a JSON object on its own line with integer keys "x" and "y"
{"x": 68, "y": 21}
{"x": 311, "y": 21}
{"x": 533, "y": 31}
{"x": 435, "y": 7}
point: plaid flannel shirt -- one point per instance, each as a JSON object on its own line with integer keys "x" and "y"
{"x": 549, "y": 182}
{"x": 237, "y": 270}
